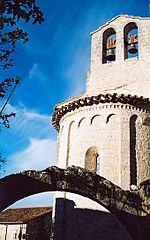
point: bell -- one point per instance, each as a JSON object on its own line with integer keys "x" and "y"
{"x": 110, "y": 55}
{"x": 132, "y": 49}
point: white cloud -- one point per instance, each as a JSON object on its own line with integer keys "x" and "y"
{"x": 38, "y": 155}
{"x": 29, "y": 123}
{"x": 28, "y": 114}
{"x": 33, "y": 71}
{"x": 30, "y": 143}
{"x": 37, "y": 73}
{"x": 35, "y": 115}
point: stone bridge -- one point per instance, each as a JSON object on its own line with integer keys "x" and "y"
{"x": 131, "y": 208}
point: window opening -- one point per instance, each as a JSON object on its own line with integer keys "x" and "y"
{"x": 131, "y": 40}
{"x": 133, "y": 164}
{"x": 109, "y": 46}
{"x": 98, "y": 165}
{"x": 91, "y": 159}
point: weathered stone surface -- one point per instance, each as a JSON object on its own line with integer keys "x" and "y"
{"x": 128, "y": 76}
{"x": 72, "y": 104}
{"x": 112, "y": 117}
{"x": 108, "y": 128}
{"x": 131, "y": 208}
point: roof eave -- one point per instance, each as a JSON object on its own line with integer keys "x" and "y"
{"x": 121, "y": 15}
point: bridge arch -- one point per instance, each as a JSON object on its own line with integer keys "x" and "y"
{"x": 80, "y": 181}
{"x": 73, "y": 179}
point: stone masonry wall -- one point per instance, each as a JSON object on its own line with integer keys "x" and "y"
{"x": 107, "y": 127}
{"x": 128, "y": 76}
{"x": 120, "y": 133}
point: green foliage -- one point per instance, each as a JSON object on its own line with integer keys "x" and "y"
{"x": 14, "y": 10}
{"x": 8, "y": 42}
{"x": 11, "y": 11}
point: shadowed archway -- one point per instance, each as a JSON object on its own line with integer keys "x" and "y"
{"x": 131, "y": 208}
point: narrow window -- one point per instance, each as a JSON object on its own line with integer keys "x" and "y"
{"x": 109, "y": 46}
{"x": 14, "y": 234}
{"x": 133, "y": 164}
{"x": 98, "y": 165}
{"x": 69, "y": 143}
{"x": 131, "y": 40}
{"x": 92, "y": 160}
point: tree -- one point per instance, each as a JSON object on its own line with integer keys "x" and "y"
{"x": 11, "y": 12}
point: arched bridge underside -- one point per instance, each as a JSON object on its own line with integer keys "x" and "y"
{"x": 131, "y": 208}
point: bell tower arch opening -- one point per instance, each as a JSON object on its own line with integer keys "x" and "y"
{"x": 109, "y": 46}
{"x": 110, "y": 135}
{"x": 131, "y": 40}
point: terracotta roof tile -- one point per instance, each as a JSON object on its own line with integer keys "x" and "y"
{"x": 70, "y": 100}
{"x": 23, "y": 215}
{"x": 84, "y": 100}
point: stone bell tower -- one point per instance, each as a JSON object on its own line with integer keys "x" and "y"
{"x": 107, "y": 129}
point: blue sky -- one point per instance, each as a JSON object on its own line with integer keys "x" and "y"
{"x": 53, "y": 67}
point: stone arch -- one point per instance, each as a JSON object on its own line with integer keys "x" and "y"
{"x": 73, "y": 179}
{"x": 124, "y": 204}
{"x": 130, "y": 40}
{"x": 133, "y": 157}
{"x": 112, "y": 121}
{"x": 94, "y": 117}
{"x": 91, "y": 159}
{"x": 109, "y": 116}
{"x": 109, "y": 43}
{"x": 81, "y": 121}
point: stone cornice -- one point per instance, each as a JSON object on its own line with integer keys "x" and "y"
{"x": 139, "y": 102}
{"x": 118, "y": 16}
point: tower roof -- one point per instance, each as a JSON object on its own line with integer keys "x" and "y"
{"x": 135, "y": 101}
{"x": 120, "y": 16}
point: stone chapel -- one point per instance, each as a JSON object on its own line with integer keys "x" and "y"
{"x": 107, "y": 129}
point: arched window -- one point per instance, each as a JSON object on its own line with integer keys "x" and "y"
{"x": 69, "y": 143}
{"x": 109, "y": 116}
{"x": 92, "y": 160}
{"x": 130, "y": 40}
{"x": 81, "y": 121}
{"x": 98, "y": 165}
{"x": 96, "y": 119}
{"x": 109, "y": 46}
{"x": 133, "y": 163}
